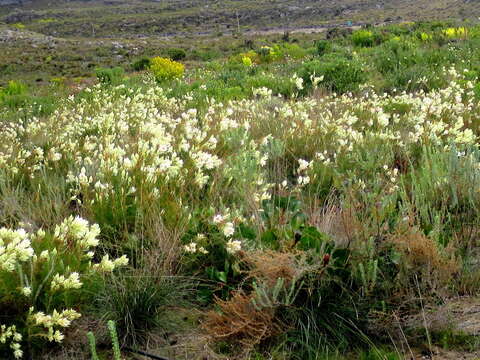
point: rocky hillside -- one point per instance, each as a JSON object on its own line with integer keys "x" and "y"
{"x": 102, "y": 18}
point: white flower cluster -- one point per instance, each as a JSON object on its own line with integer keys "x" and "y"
{"x": 132, "y": 136}
{"x": 107, "y": 265}
{"x": 10, "y": 334}
{"x": 52, "y": 322}
{"x": 60, "y": 282}
{"x": 78, "y": 230}
{"x": 304, "y": 165}
{"x": 392, "y": 176}
{"x": 233, "y": 246}
{"x": 194, "y": 247}
{"x": 227, "y": 227}
{"x": 15, "y": 246}
{"x": 33, "y": 273}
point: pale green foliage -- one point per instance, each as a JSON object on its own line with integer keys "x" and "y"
{"x": 368, "y": 268}
{"x": 93, "y": 346}
{"x": 281, "y": 294}
{"x": 113, "y": 335}
{"x": 363, "y": 38}
{"x": 112, "y": 329}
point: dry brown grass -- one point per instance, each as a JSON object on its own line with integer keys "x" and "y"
{"x": 332, "y": 219}
{"x": 432, "y": 266}
{"x": 165, "y": 254}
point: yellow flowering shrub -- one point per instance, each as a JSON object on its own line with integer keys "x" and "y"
{"x": 166, "y": 69}
{"x": 425, "y": 37}
{"x": 455, "y": 33}
{"x": 363, "y": 38}
{"x": 39, "y": 274}
{"x": 247, "y": 61}
{"x": 268, "y": 54}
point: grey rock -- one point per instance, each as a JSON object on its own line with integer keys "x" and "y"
{"x": 460, "y": 315}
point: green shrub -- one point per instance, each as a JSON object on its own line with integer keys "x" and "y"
{"x": 141, "y": 64}
{"x": 414, "y": 78}
{"x": 176, "y": 54}
{"x": 293, "y": 51}
{"x": 206, "y": 54}
{"x": 280, "y": 85}
{"x": 14, "y": 88}
{"x": 364, "y": 38}
{"x": 14, "y": 95}
{"x": 109, "y": 76}
{"x": 379, "y": 37}
{"x": 450, "y": 202}
{"x": 339, "y": 74}
{"x": 323, "y": 47}
{"x": 267, "y": 54}
{"x": 338, "y": 33}
{"x": 394, "y": 55}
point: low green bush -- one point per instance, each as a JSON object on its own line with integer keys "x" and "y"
{"x": 109, "y": 76}
{"x": 141, "y": 64}
{"x": 292, "y": 51}
{"x": 280, "y": 85}
{"x": 394, "y": 55}
{"x": 323, "y": 47}
{"x": 13, "y": 88}
{"x": 339, "y": 74}
{"x": 137, "y": 302}
{"x": 364, "y": 38}
{"x": 176, "y": 54}
{"x": 205, "y": 54}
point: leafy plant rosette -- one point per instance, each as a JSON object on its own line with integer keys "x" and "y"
{"x": 41, "y": 279}
{"x": 212, "y": 249}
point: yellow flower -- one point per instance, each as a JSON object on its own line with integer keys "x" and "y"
{"x": 247, "y": 61}
{"x": 166, "y": 69}
{"x": 454, "y": 33}
{"x": 425, "y": 37}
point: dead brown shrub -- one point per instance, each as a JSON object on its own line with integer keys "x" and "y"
{"x": 240, "y": 322}
{"x": 269, "y": 266}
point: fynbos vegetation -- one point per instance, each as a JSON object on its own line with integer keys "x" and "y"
{"x": 304, "y": 198}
